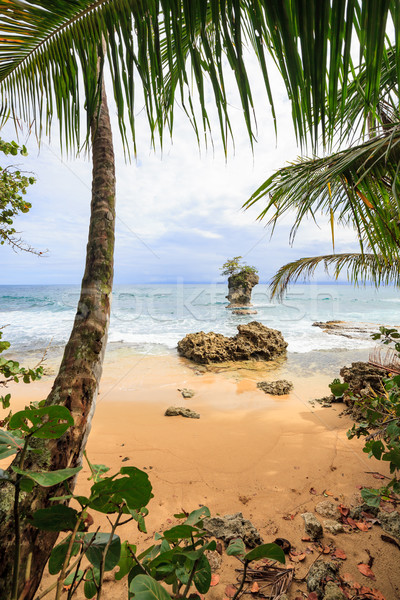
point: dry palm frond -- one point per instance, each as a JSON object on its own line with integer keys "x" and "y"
{"x": 273, "y": 581}
{"x": 385, "y": 358}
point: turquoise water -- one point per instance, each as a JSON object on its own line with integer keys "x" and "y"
{"x": 152, "y": 318}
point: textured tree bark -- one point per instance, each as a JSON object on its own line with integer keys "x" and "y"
{"x": 76, "y": 385}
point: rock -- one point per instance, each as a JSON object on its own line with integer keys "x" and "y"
{"x": 327, "y": 509}
{"x": 214, "y": 559}
{"x": 333, "y": 527}
{"x": 175, "y": 411}
{"x": 361, "y": 376}
{"x": 254, "y": 341}
{"x": 313, "y": 527}
{"x": 333, "y": 592}
{"x": 240, "y": 287}
{"x": 348, "y": 329}
{"x": 244, "y": 311}
{"x": 390, "y": 522}
{"x": 280, "y": 387}
{"x": 234, "y": 526}
{"x": 356, "y": 512}
{"x": 317, "y": 575}
{"x": 186, "y": 392}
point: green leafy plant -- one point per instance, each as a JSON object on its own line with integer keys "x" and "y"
{"x": 338, "y": 388}
{"x": 235, "y": 267}
{"x": 381, "y": 429}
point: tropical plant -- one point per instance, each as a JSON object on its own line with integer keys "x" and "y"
{"x": 52, "y": 60}
{"x": 358, "y": 186}
{"x": 234, "y": 266}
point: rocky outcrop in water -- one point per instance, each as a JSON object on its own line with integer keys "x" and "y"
{"x": 240, "y": 287}
{"x": 348, "y": 329}
{"x": 254, "y": 341}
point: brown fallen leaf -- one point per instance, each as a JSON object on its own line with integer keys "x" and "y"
{"x": 312, "y": 596}
{"x": 219, "y": 548}
{"x": 326, "y": 550}
{"x": 344, "y": 510}
{"x": 365, "y": 570}
{"x": 313, "y": 491}
{"x": 351, "y": 522}
{"x": 306, "y": 538}
{"x": 255, "y": 588}
{"x": 363, "y": 526}
{"x": 214, "y": 579}
{"x": 230, "y": 591}
{"x": 347, "y": 578}
{"x": 327, "y": 493}
{"x": 297, "y": 556}
{"x": 339, "y": 554}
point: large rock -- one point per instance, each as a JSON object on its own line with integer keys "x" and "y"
{"x": 234, "y": 526}
{"x": 254, "y": 341}
{"x": 181, "y": 411}
{"x": 361, "y": 377}
{"x": 240, "y": 287}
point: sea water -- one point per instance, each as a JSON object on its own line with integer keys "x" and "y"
{"x": 152, "y": 318}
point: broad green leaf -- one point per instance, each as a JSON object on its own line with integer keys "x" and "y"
{"x": 182, "y": 573}
{"x": 58, "y": 554}
{"x": 89, "y": 589}
{"x": 236, "y": 547}
{"x": 110, "y": 492}
{"x": 26, "y": 484}
{"x": 195, "y": 554}
{"x": 271, "y": 551}
{"x": 147, "y": 588}
{"x": 371, "y": 497}
{"x": 68, "y": 580}
{"x": 55, "y": 518}
{"x": 48, "y": 478}
{"x": 202, "y": 576}
{"x": 196, "y": 516}
{"x": 9, "y": 444}
{"x": 95, "y": 551}
{"x": 49, "y": 422}
{"x": 126, "y": 562}
{"x": 180, "y": 532}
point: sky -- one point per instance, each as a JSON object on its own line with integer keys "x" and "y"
{"x": 179, "y": 211}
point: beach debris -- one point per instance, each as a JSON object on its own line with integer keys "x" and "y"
{"x": 327, "y": 509}
{"x": 366, "y": 570}
{"x": 186, "y": 392}
{"x": 319, "y": 574}
{"x": 333, "y": 526}
{"x": 229, "y": 527}
{"x": 175, "y": 411}
{"x": 253, "y": 341}
{"x": 333, "y": 592}
{"x": 280, "y": 387}
{"x": 284, "y": 544}
{"x": 125, "y": 459}
{"x": 313, "y": 527}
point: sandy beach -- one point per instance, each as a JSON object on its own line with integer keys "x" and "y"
{"x": 271, "y": 458}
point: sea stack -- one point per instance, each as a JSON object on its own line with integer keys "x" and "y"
{"x": 240, "y": 286}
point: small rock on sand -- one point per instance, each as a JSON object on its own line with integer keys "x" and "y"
{"x": 175, "y": 411}
{"x": 313, "y": 527}
{"x": 333, "y": 527}
{"x": 280, "y": 387}
{"x": 327, "y": 509}
{"x": 186, "y": 392}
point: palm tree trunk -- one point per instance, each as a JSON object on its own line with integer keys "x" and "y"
{"x": 76, "y": 385}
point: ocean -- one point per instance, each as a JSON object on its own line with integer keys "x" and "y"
{"x": 152, "y": 318}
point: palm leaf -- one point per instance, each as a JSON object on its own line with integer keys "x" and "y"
{"x": 49, "y": 52}
{"x": 360, "y": 269}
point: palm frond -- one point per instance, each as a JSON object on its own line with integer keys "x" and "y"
{"x": 360, "y": 269}
{"x": 359, "y": 186}
{"x": 49, "y": 51}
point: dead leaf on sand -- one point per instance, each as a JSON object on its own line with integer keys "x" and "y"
{"x": 230, "y": 591}
{"x": 363, "y": 526}
{"x": 306, "y": 538}
{"x": 214, "y": 579}
{"x": 339, "y": 554}
{"x": 365, "y": 570}
{"x": 255, "y": 588}
{"x": 297, "y": 556}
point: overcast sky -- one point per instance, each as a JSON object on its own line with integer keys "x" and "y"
{"x": 179, "y": 213}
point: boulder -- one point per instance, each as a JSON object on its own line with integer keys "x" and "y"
{"x": 234, "y": 526}
{"x": 254, "y": 341}
{"x": 175, "y": 411}
{"x": 361, "y": 377}
{"x": 240, "y": 287}
{"x": 280, "y": 387}
{"x": 244, "y": 311}
{"x": 313, "y": 527}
